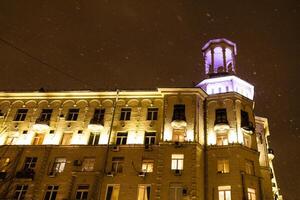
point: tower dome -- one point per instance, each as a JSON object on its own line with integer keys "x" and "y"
{"x": 219, "y": 57}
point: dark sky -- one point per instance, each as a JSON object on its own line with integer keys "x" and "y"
{"x": 136, "y": 44}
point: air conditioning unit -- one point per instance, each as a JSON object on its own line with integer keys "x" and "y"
{"x": 111, "y": 174}
{"x": 115, "y": 148}
{"x": 142, "y": 174}
{"x": 177, "y": 172}
{"x": 77, "y": 163}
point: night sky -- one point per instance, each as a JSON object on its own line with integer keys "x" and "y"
{"x": 139, "y": 44}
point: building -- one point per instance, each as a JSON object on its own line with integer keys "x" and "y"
{"x": 201, "y": 143}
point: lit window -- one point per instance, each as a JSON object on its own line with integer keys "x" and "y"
{"x": 178, "y": 135}
{"x": 38, "y": 139}
{"x": 221, "y": 116}
{"x": 125, "y": 114}
{"x": 176, "y": 192}
{"x": 59, "y": 165}
{"x": 20, "y": 192}
{"x": 147, "y": 166}
{"x": 21, "y": 114}
{"x": 45, "y": 115}
{"x": 117, "y": 164}
{"x": 251, "y": 194}
{"x": 66, "y": 139}
{"x": 51, "y": 192}
{"x": 121, "y": 138}
{"x": 30, "y": 163}
{"x": 150, "y": 137}
{"x": 88, "y": 164}
{"x": 152, "y": 114}
{"x": 144, "y": 192}
{"x": 179, "y": 112}
{"x": 82, "y": 192}
{"x": 222, "y": 139}
{"x": 247, "y": 140}
{"x": 224, "y": 192}
{"x": 94, "y": 139}
{"x": 223, "y": 166}
{"x": 98, "y": 117}
{"x": 4, "y": 162}
{"x": 249, "y": 167}
{"x": 72, "y": 114}
{"x": 177, "y": 161}
{"x": 112, "y": 192}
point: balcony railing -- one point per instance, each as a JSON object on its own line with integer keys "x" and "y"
{"x": 25, "y": 174}
{"x": 41, "y": 125}
{"x": 221, "y": 125}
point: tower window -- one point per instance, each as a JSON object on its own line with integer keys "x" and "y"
{"x": 21, "y": 114}
{"x": 125, "y": 114}
{"x": 121, "y": 138}
{"x": 244, "y": 119}
{"x": 179, "y": 112}
{"x": 152, "y": 113}
{"x": 73, "y": 114}
{"x": 221, "y": 116}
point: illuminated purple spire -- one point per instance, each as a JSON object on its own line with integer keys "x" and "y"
{"x": 219, "y": 56}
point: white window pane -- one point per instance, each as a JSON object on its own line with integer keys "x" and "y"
{"x": 221, "y": 195}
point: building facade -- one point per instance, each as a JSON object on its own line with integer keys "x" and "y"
{"x": 201, "y": 143}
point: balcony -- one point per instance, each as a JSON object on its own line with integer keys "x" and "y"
{"x": 248, "y": 127}
{"x": 221, "y": 125}
{"x": 41, "y": 125}
{"x": 96, "y": 125}
{"x": 25, "y": 174}
{"x": 3, "y": 175}
{"x": 271, "y": 154}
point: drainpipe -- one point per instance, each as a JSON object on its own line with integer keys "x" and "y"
{"x": 205, "y": 150}
{"x": 243, "y": 185}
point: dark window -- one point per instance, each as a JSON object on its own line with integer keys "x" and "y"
{"x": 244, "y": 119}
{"x": 109, "y": 192}
{"x": 25, "y": 132}
{"x": 51, "y": 192}
{"x": 152, "y": 113}
{"x": 150, "y": 137}
{"x": 30, "y": 163}
{"x": 94, "y": 139}
{"x": 179, "y": 112}
{"x": 20, "y": 192}
{"x": 221, "y": 116}
{"x": 117, "y": 164}
{"x": 98, "y": 117}
{"x": 73, "y": 114}
{"x": 125, "y": 114}
{"x": 82, "y": 192}
{"x": 21, "y": 114}
{"x": 121, "y": 138}
{"x": 45, "y": 115}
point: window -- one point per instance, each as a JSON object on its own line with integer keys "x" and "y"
{"x": 117, "y": 164}
{"x": 179, "y": 112}
{"x": 59, "y": 165}
{"x": 249, "y": 167}
{"x": 251, "y": 194}
{"x": 224, "y": 192}
{"x": 20, "y": 192}
{"x": 125, "y": 114}
{"x": 112, "y": 192}
{"x": 66, "y": 139}
{"x": 73, "y": 114}
{"x": 21, "y": 114}
{"x": 30, "y": 163}
{"x": 38, "y": 139}
{"x": 94, "y": 139}
{"x": 82, "y": 192}
{"x": 221, "y": 116}
{"x": 178, "y": 135}
{"x": 222, "y": 139}
{"x": 121, "y": 138}
{"x": 45, "y": 115}
{"x": 244, "y": 119}
{"x": 247, "y": 140}
{"x": 4, "y": 162}
{"x": 144, "y": 192}
{"x": 88, "y": 164}
{"x": 150, "y": 137}
{"x": 177, "y": 161}
{"x": 152, "y": 113}
{"x": 51, "y": 192}
{"x": 223, "y": 166}
{"x": 147, "y": 166}
{"x": 176, "y": 191}
{"x": 98, "y": 117}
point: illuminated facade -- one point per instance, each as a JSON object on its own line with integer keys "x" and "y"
{"x": 172, "y": 143}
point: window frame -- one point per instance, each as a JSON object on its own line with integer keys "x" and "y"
{"x": 125, "y": 114}
{"x": 59, "y": 165}
{"x": 146, "y": 192}
{"x": 82, "y": 191}
{"x": 45, "y": 116}
{"x": 115, "y": 187}
{"x": 249, "y": 167}
{"x": 152, "y": 113}
{"x": 88, "y": 164}
{"x": 223, "y": 166}
{"x": 150, "y": 138}
{"x": 21, "y": 116}
{"x": 121, "y": 138}
{"x": 224, "y": 190}
{"x": 30, "y": 163}
{"x": 20, "y": 193}
{"x": 52, "y": 190}
{"x": 147, "y": 166}
{"x": 117, "y": 164}
{"x": 73, "y": 114}
{"x": 177, "y": 162}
